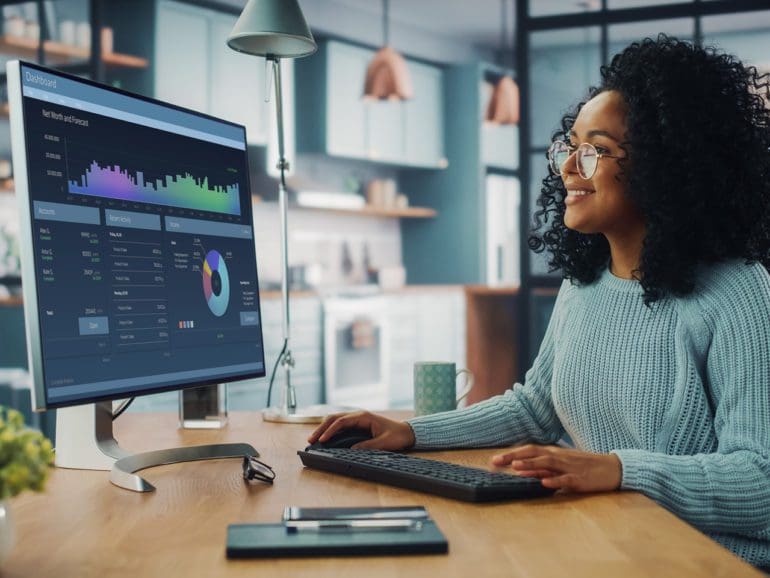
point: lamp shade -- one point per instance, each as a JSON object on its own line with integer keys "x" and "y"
{"x": 387, "y": 77}
{"x": 503, "y": 107}
{"x": 272, "y": 28}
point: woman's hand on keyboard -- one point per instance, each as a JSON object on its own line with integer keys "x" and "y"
{"x": 564, "y": 468}
{"x": 387, "y": 434}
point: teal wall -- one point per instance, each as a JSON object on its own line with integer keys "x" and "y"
{"x": 449, "y": 248}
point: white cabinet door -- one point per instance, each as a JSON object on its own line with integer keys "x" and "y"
{"x": 404, "y": 349}
{"x": 407, "y": 133}
{"x": 425, "y": 326}
{"x": 182, "y": 56}
{"x": 437, "y": 327}
{"x": 424, "y": 117}
{"x": 500, "y": 145}
{"x": 385, "y": 130}
{"x": 237, "y": 83}
{"x": 196, "y": 69}
{"x": 306, "y": 347}
{"x": 346, "y": 113}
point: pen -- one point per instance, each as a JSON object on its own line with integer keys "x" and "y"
{"x": 292, "y": 513}
{"x": 294, "y": 526}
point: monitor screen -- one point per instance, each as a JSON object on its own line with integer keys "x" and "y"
{"x": 139, "y": 265}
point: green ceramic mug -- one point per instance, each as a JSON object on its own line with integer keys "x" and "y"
{"x": 435, "y": 386}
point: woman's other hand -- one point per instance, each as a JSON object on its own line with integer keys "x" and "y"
{"x": 564, "y": 468}
{"x": 387, "y": 434}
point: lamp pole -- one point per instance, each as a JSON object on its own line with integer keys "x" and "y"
{"x": 276, "y": 29}
{"x": 289, "y": 396}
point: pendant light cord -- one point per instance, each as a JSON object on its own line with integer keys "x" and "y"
{"x": 504, "y": 48}
{"x": 385, "y": 22}
{"x": 503, "y": 31}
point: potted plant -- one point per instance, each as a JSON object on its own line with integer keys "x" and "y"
{"x": 25, "y": 457}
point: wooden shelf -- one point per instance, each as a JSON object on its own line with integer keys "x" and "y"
{"x": 58, "y": 53}
{"x": 407, "y": 213}
{"x": 368, "y": 211}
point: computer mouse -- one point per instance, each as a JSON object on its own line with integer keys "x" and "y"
{"x": 343, "y": 439}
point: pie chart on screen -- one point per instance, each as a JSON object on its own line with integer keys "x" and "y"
{"x": 216, "y": 283}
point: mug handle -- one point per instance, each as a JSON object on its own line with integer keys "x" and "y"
{"x": 468, "y": 384}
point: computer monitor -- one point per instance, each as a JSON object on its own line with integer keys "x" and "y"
{"x": 138, "y": 260}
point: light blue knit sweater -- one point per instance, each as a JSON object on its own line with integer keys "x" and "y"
{"x": 680, "y": 392}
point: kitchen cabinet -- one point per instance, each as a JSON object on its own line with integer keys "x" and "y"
{"x": 499, "y": 142}
{"x": 403, "y": 314}
{"x": 181, "y": 59}
{"x": 237, "y": 83}
{"x": 385, "y": 130}
{"x": 500, "y": 146}
{"x": 336, "y": 120}
{"x": 424, "y": 122}
{"x": 346, "y": 113}
{"x": 426, "y": 325}
{"x": 196, "y": 69}
{"x": 306, "y": 347}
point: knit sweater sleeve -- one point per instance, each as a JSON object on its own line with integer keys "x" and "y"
{"x": 729, "y": 490}
{"x": 523, "y": 413}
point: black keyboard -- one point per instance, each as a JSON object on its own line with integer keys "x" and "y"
{"x": 440, "y": 478}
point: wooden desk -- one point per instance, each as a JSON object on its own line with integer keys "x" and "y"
{"x": 85, "y": 527}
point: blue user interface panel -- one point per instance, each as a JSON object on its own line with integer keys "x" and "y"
{"x": 143, "y": 243}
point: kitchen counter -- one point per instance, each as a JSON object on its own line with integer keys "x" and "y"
{"x": 273, "y": 294}
{"x": 298, "y": 294}
{"x": 276, "y": 294}
{"x": 424, "y": 288}
{"x": 491, "y": 291}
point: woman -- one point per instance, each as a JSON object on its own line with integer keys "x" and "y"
{"x": 656, "y": 361}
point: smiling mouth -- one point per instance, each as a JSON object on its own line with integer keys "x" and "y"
{"x": 579, "y": 193}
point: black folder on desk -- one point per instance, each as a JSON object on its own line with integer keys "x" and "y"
{"x": 274, "y": 541}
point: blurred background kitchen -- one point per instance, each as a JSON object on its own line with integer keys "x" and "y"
{"x": 408, "y": 216}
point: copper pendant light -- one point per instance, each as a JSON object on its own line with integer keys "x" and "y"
{"x": 387, "y": 76}
{"x": 503, "y": 107}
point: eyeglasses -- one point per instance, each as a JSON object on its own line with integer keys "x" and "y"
{"x": 587, "y": 158}
{"x": 253, "y": 469}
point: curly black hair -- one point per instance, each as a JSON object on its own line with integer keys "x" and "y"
{"x": 698, "y": 135}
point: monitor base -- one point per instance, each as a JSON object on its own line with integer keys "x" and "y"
{"x": 123, "y": 471}
{"x": 309, "y": 414}
{"x": 84, "y": 441}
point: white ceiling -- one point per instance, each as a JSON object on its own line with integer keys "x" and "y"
{"x": 477, "y": 23}
{"x": 456, "y": 30}
{"x": 471, "y": 22}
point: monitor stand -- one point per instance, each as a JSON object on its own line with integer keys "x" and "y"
{"x": 84, "y": 441}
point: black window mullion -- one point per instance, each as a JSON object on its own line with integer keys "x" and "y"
{"x": 605, "y": 43}
{"x": 522, "y": 74}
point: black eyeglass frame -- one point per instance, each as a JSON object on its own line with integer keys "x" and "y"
{"x": 254, "y": 469}
{"x": 557, "y": 170}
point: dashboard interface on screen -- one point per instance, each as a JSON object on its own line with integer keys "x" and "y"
{"x": 143, "y": 242}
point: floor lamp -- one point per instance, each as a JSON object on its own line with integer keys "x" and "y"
{"x": 277, "y": 29}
